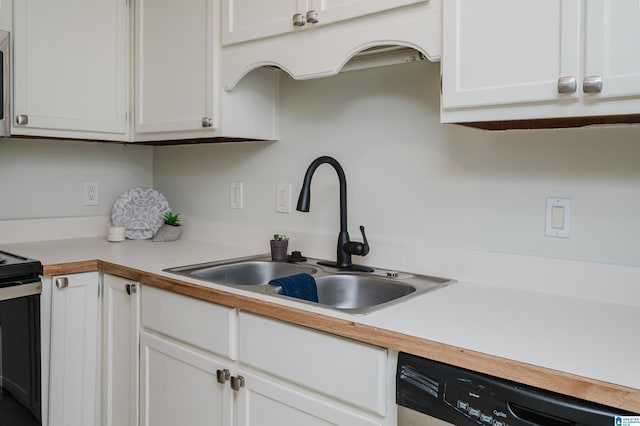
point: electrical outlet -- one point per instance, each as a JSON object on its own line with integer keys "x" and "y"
{"x": 91, "y": 194}
{"x": 235, "y": 195}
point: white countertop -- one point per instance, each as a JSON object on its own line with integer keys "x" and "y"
{"x": 589, "y": 338}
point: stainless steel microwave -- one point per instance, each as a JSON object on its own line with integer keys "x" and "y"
{"x": 5, "y": 83}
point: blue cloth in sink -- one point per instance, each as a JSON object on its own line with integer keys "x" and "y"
{"x": 300, "y": 286}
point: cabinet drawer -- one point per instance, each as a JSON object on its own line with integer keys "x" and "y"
{"x": 351, "y": 371}
{"x": 196, "y": 322}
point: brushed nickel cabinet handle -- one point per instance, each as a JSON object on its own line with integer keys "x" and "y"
{"x": 62, "y": 283}
{"x": 298, "y": 20}
{"x": 237, "y": 383}
{"x": 207, "y": 122}
{"x": 223, "y": 375}
{"x": 22, "y": 119}
{"x": 592, "y": 84}
{"x": 312, "y": 17}
{"x": 567, "y": 85}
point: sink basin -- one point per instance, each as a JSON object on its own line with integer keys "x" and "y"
{"x": 257, "y": 272}
{"x": 353, "y": 292}
{"x": 357, "y": 292}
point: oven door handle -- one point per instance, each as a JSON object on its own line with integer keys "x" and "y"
{"x": 23, "y": 290}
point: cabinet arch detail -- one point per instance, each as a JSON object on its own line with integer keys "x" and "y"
{"x": 324, "y": 51}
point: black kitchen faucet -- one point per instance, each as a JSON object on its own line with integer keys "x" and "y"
{"x": 346, "y": 247}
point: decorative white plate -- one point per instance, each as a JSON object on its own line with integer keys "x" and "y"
{"x": 140, "y": 211}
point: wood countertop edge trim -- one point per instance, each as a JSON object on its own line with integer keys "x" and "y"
{"x": 70, "y": 268}
{"x": 610, "y": 394}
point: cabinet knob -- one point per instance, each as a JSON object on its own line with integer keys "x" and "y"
{"x": 298, "y": 20}
{"x": 207, "y": 122}
{"x": 567, "y": 85}
{"x": 131, "y": 289}
{"x": 592, "y": 84}
{"x": 22, "y": 119}
{"x": 237, "y": 383}
{"x": 312, "y": 17}
{"x": 62, "y": 283}
{"x": 223, "y": 375}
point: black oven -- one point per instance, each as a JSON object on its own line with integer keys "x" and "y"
{"x": 20, "y": 364}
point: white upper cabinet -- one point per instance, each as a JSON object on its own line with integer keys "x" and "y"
{"x": 70, "y": 68}
{"x": 509, "y": 60}
{"x": 177, "y": 90}
{"x": 295, "y": 35}
{"x": 174, "y": 66}
{"x": 613, "y": 53}
{"x": 131, "y": 71}
{"x": 250, "y": 19}
{"x": 505, "y": 51}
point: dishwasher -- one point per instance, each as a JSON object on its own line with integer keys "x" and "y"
{"x": 430, "y": 393}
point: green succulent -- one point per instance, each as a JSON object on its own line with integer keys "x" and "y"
{"x": 172, "y": 218}
{"x": 280, "y": 237}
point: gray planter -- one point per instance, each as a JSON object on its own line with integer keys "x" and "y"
{"x": 167, "y": 233}
{"x": 279, "y": 250}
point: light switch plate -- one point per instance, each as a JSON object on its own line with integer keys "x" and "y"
{"x": 235, "y": 195}
{"x": 283, "y": 198}
{"x": 558, "y": 220}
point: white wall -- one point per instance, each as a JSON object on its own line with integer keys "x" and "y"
{"x": 414, "y": 181}
{"x": 45, "y": 179}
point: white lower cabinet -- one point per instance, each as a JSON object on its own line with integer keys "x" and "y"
{"x": 120, "y": 331}
{"x": 94, "y": 351}
{"x": 185, "y": 360}
{"x": 265, "y": 400}
{"x": 73, "y": 380}
{"x": 180, "y": 387}
{"x": 295, "y": 375}
{"x": 206, "y": 364}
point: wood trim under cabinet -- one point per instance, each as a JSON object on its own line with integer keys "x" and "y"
{"x": 554, "y": 123}
{"x": 192, "y": 141}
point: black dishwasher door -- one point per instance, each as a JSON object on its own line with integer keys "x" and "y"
{"x": 462, "y": 397}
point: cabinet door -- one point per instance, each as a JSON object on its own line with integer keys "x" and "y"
{"x": 70, "y": 62}
{"x": 174, "y": 65}
{"x": 264, "y": 401}
{"x": 504, "y": 51}
{"x": 179, "y": 386}
{"x": 287, "y": 351}
{"x": 250, "y": 19}
{"x": 612, "y": 53}
{"x": 74, "y": 350}
{"x": 120, "y": 354}
{"x": 338, "y": 10}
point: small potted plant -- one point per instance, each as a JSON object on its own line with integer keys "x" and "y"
{"x": 279, "y": 246}
{"x": 171, "y": 229}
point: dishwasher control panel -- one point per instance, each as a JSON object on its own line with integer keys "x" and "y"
{"x": 467, "y": 398}
{"x": 478, "y": 403}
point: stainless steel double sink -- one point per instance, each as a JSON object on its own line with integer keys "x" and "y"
{"x": 353, "y": 292}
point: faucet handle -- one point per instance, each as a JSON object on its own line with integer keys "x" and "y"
{"x": 359, "y": 249}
